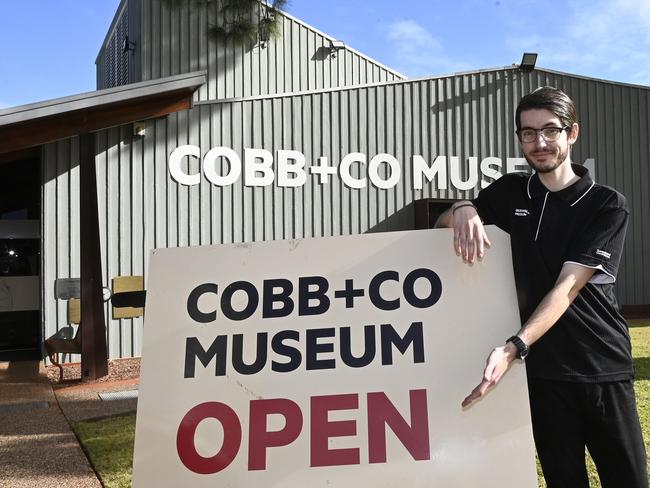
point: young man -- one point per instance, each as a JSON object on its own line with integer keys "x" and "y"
{"x": 567, "y": 237}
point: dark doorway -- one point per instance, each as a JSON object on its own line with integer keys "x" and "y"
{"x": 20, "y": 256}
{"x": 427, "y": 211}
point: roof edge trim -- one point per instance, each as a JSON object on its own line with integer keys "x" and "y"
{"x": 188, "y": 81}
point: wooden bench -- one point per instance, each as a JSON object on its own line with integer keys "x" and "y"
{"x": 55, "y": 345}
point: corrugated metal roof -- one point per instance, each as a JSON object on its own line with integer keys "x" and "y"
{"x": 355, "y": 87}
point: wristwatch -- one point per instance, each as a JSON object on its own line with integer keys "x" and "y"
{"x": 522, "y": 347}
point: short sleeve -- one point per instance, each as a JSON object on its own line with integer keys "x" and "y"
{"x": 600, "y": 244}
{"x": 492, "y": 203}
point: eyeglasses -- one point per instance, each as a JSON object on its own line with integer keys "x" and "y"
{"x": 549, "y": 134}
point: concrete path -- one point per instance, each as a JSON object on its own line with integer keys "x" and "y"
{"x": 37, "y": 447}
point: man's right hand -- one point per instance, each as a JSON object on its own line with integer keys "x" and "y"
{"x": 470, "y": 238}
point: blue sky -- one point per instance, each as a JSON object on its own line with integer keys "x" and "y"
{"x": 48, "y": 47}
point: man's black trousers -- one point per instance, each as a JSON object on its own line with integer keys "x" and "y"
{"x": 603, "y": 417}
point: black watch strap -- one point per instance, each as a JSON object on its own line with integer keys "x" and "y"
{"x": 522, "y": 347}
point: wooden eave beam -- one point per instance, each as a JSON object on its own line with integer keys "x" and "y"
{"x": 27, "y": 153}
{"x": 18, "y": 136}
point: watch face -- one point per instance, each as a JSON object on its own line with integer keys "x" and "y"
{"x": 522, "y": 347}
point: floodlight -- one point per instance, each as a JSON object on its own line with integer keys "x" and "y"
{"x": 336, "y": 46}
{"x": 528, "y": 62}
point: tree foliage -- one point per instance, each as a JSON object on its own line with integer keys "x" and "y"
{"x": 246, "y": 22}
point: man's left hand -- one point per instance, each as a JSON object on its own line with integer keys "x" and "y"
{"x": 496, "y": 366}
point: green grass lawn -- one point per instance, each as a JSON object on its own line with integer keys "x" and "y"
{"x": 641, "y": 351}
{"x": 109, "y": 442}
{"x": 109, "y": 446}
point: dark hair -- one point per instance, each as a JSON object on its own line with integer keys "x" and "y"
{"x": 551, "y": 99}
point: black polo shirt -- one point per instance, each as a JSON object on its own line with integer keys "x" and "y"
{"x": 584, "y": 223}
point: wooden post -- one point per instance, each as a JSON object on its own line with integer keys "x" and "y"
{"x": 94, "y": 357}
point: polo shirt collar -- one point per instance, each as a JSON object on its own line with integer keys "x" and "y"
{"x": 571, "y": 194}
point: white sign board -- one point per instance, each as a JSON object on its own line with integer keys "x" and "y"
{"x": 333, "y": 362}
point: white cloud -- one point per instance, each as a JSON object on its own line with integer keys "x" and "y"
{"x": 610, "y": 39}
{"x": 416, "y": 52}
{"x": 408, "y": 31}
